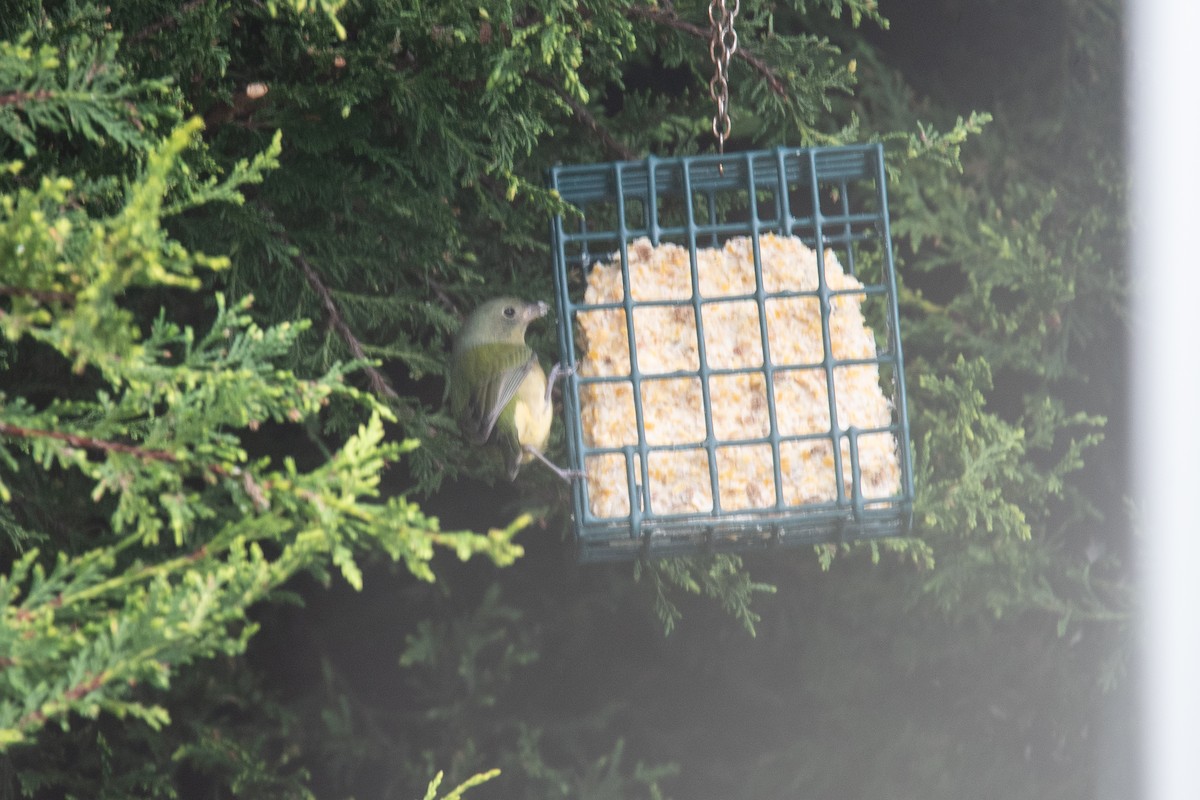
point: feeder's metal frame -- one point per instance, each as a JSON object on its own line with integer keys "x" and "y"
{"x": 844, "y": 170}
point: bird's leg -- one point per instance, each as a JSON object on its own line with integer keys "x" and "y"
{"x": 567, "y": 475}
{"x": 559, "y": 370}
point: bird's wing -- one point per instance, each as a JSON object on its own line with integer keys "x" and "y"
{"x": 492, "y": 373}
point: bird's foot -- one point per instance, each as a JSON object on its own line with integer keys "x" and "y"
{"x": 559, "y": 370}
{"x": 568, "y": 475}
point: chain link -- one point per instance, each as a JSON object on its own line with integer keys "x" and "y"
{"x": 721, "y": 47}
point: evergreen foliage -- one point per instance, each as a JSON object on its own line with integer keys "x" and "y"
{"x": 234, "y": 241}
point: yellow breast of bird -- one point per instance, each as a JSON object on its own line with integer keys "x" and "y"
{"x": 533, "y": 413}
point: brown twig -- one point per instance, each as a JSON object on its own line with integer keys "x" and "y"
{"x": 668, "y": 17}
{"x": 41, "y": 295}
{"x": 379, "y": 384}
{"x": 587, "y": 118}
{"x": 169, "y": 21}
{"x": 253, "y": 489}
{"x": 21, "y": 98}
{"x": 443, "y": 296}
{"x": 241, "y": 111}
{"x": 90, "y": 443}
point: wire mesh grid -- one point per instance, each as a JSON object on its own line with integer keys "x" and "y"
{"x": 717, "y": 404}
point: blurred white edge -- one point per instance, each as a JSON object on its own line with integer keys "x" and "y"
{"x": 1164, "y": 140}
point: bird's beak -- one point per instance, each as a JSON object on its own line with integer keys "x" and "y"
{"x": 538, "y": 310}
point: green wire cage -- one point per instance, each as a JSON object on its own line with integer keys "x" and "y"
{"x": 733, "y": 325}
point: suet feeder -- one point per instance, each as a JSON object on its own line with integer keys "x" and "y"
{"x": 733, "y": 326}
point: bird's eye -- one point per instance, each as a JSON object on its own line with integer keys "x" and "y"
{"x": 510, "y": 312}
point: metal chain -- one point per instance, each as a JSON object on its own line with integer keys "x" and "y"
{"x": 721, "y": 47}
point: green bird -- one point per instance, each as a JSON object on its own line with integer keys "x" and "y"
{"x": 497, "y": 390}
